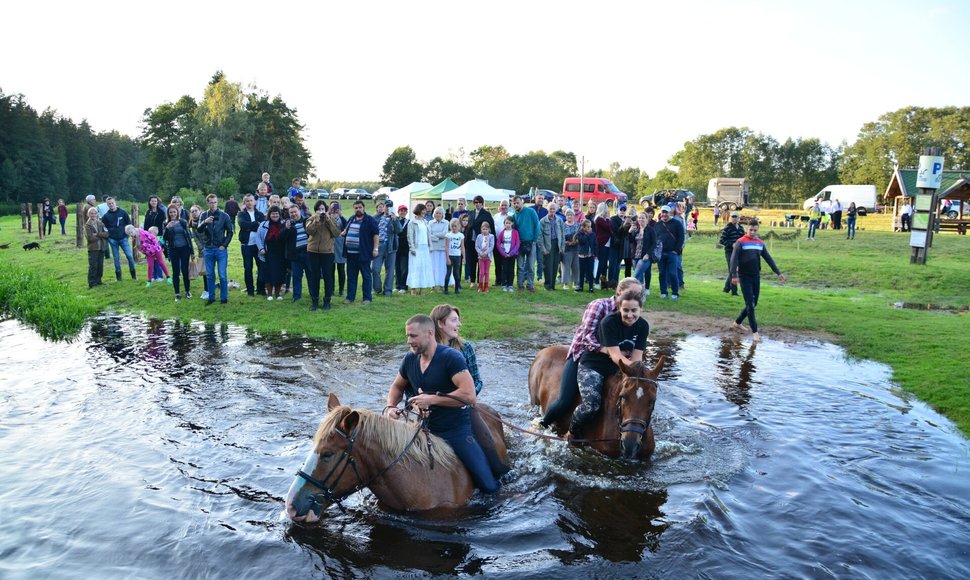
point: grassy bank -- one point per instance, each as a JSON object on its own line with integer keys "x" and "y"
{"x": 845, "y": 288}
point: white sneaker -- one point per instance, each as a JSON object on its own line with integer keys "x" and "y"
{"x": 279, "y": 297}
{"x": 270, "y": 298}
{"x": 565, "y": 286}
{"x": 646, "y": 292}
{"x": 204, "y": 296}
{"x": 596, "y": 287}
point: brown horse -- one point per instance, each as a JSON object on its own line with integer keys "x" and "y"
{"x": 623, "y": 427}
{"x": 407, "y": 469}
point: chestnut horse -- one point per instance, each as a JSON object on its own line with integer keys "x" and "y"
{"x": 405, "y": 467}
{"x": 622, "y": 428}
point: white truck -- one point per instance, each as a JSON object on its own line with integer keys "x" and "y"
{"x": 864, "y": 197}
{"x": 727, "y": 193}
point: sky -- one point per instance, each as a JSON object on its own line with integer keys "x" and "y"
{"x": 611, "y": 81}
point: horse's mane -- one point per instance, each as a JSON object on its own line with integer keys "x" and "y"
{"x": 393, "y": 437}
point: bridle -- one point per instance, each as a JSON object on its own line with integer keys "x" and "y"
{"x": 345, "y": 461}
{"x": 638, "y": 426}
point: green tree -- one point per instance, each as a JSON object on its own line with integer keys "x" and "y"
{"x": 438, "y": 169}
{"x": 401, "y": 168}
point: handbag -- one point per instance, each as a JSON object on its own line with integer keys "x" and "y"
{"x": 193, "y": 268}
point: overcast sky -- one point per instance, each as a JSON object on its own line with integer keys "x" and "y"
{"x": 612, "y": 81}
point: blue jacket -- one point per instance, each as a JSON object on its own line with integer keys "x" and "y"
{"x": 671, "y": 234}
{"x": 368, "y": 229}
{"x": 219, "y": 232}
{"x": 527, "y": 224}
{"x": 115, "y": 222}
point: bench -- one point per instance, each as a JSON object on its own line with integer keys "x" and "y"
{"x": 958, "y": 226}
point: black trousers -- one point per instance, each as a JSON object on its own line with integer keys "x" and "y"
{"x": 727, "y": 283}
{"x": 95, "y": 268}
{"x": 320, "y": 266}
{"x": 401, "y": 270}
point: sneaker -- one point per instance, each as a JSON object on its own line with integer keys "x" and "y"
{"x": 270, "y": 298}
{"x": 178, "y": 298}
{"x": 565, "y": 286}
{"x": 279, "y": 297}
{"x": 188, "y": 294}
{"x": 597, "y": 287}
{"x": 646, "y": 292}
{"x": 168, "y": 281}
{"x": 204, "y": 296}
{"x": 326, "y": 306}
{"x": 663, "y": 296}
{"x": 148, "y": 284}
{"x": 365, "y": 302}
{"x": 674, "y": 297}
{"x": 402, "y": 291}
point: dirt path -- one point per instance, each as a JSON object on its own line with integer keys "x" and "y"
{"x": 679, "y": 324}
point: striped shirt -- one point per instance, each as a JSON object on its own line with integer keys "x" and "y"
{"x": 746, "y": 259}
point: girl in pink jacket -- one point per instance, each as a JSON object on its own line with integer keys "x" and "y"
{"x": 153, "y": 253}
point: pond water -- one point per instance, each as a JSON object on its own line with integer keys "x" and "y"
{"x": 163, "y": 449}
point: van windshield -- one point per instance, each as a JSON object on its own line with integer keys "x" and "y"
{"x": 610, "y": 187}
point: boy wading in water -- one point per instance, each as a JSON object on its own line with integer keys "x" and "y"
{"x": 746, "y": 273}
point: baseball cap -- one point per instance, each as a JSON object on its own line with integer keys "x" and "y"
{"x": 400, "y": 207}
{"x": 622, "y": 206}
{"x": 665, "y": 209}
{"x": 388, "y": 203}
{"x": 735, "y": 214}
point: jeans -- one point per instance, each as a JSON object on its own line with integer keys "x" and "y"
{"x": 812, "y": 227}
{"x": 570, "y": 267}
{"x": 126, "y": 247}
{"x": 63, "y": 221}
{"x": 616, "y": 254}
{"x": 539, "y": 266}
{"x": 728, "y": 287}
{"x": 357, "y": 266}
{"x": 386, "y": 260}
{"x": 750, "y": 289}
{"x": 180, "y": 266}
{"x": 680, "y": 272}
{"x": 643, "y": 272}
{"x": 467, "y": 449}
{"x": 401, "y": 270}
{"x": 527, "y": 264}
{"x": 552, "y": 266}
{"x": 586, "y": 272}
{"x": 298, "y": 266}
{"x": 214, "y": 256}
{"x": 455, "y": 270}
{"x": 850, "y": 224}
{"x": 604, "y": 262}
{"x": 568, "y": 391}
{"x": 249, "y": 256}
{"x": 668, "y": 273}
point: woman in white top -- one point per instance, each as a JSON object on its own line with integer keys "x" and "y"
{"x": 420, "y": 274}
{"x": 438, "y": 228}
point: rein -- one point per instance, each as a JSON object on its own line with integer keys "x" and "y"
{"x": 346, "y": 460}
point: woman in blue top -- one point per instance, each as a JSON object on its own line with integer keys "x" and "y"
{"x": 447, "y": 323}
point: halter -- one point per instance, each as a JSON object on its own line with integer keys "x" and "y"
{"x": 638, "y": 426}
{"x": 346, "y": 460}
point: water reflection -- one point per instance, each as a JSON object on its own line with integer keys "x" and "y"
{"x": 736, "y": 370}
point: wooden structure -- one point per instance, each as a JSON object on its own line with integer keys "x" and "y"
{"x": 954, "y": 186}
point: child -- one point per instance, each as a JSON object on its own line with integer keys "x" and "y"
{"x": 455, "y": 243}
{"x": 153, "y": 252}
{"x": 587, "y": 253}
{"x": 484, "y": 244}
{"x": 507, "y": 245}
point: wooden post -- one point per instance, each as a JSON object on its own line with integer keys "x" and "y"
{"x": 29, "y": 217}
{"x": 40, "y": 221}
{"x": 23, "y": 216}
{"x": 82, "y": 218}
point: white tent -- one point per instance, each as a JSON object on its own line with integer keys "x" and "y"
{"x": 403, "y": 196}
{"x": 473, "y": 188}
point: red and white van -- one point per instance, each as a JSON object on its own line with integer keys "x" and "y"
{"x": 595, "y": 188}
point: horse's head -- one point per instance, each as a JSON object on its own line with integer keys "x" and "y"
{"x": 329, "y": 473}
{"x": 634, "y": 405}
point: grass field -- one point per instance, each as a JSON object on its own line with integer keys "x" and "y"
{"x": 845, "y": 288}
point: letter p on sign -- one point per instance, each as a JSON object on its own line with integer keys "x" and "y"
{"x": 930, "y": 174}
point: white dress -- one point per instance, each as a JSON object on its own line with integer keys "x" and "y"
{"x": 420, "y": 274}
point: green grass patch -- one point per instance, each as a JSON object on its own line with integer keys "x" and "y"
{"x": 846, "y": 288}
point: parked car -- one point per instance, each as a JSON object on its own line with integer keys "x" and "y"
{"x": 595, "y": 188}
{"x": 953, "y": 212}
{"x": 359, "y": 194}
{"x": 340, "y": 193}
{"x": 665, "y": 196}
{"x": 548, "y": 194}
{"x": 320, "y": 193}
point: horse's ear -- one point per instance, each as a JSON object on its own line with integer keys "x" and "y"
{"x": 332, "y": 402}
{"x": 627, "y": 369}
{"x": 659, "y": 366}
{"x": 350, "y": 422}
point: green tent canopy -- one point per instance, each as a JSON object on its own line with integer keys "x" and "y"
{"x": 436, "y": 191}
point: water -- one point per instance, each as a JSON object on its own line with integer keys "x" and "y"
{"x": 163, "y": 449}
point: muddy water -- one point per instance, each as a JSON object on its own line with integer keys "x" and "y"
{"x": 160, "y": 449}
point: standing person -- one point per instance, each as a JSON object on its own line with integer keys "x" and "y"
{"x": 115, "y": 221}
{"x": 455, "y": 241}
{"x": 232, "y": 207}
{"x": 478, "y": 216}
{"x": 814, "y": 219}
{"x": 471, "y": 265}
{"x": 717, "y": 214}
{"x": 507, "y": 246}
{"x": 339, "y": 255}
{"x": 484, "y": 245}
{"x": 539, "y": 204}
{"x": 361, "y": 246}
{"x": 296, "y": 249}
{"x": 148, "y": 241}
{"x": 604, "y": 233}
{"x": 587, "y": 250}
{"x": 623, "y": 336}
{"x": 248, "y": 220}
{"x": 570, "y": 255}
{"x": 459, "y": 211}
{"x": 403, "y": 250}
{"x": 746, "y": 271}
{"x": 388, "y": 228}
{"x": 97, "y": 238}
{"x": 299, "y": 201}
{"x": 195, "y": 218}
{"x": 591, "y": 211}
{"x": 585, "y": 339}
{"x": 438, "y": 229}
{"x": 420, "y": 271}
{"x": 620, "y": 226}
{"x": 850, "y": 216}
{"x": 447, "y": 324}
{"x": 322, "y": 232}
{"x": 218, "y": 231}
{"x": 835, "y": 210}
{"x": 431, "y": 368}
{"x": 271, "y": 242}
{"x": 499, "y": 219}
{"x": 731, "y": 233}
{"x": 429, "y": 210}
{"x": 630, "y": 246}
{"x": 906, "y": 216}
{"x": 671, "y": 234}
{"x": 48, "y": 214}
{"x": 62, "y": 215}
{"x": 178, "y": 239}
{"x": 552, "y": 241}
{"x": 677, "y": 213}
{"x": 646, "y": 240}
{"x": 527, "y": 224}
